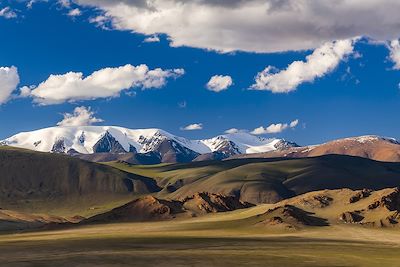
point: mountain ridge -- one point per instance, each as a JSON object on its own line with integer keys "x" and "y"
{"x": 85, "y": 140}
{"x": 153, "y": 145}
{"x": 368, "y": 146}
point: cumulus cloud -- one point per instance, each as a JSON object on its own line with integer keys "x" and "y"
{"x": 74, "y": 12}
{"x": 7, "y": 13}
{"x": 394, "y": 47}
{"x": 100, "y": 21}
{"x": 275, "y": 128}
{"x": 294, "y": 123}
{"x": 81, "y": 116}
{"x": 9, "y": 79}
{"x": 193, "y": 127}
{"x": 322, "y": 61}
{"x": 219, "y": 83}
{"x": 104, "y": 83}
{"x": 152, "y": 39}
{"x": 64, "y": 3}
{"x": 254, "y": 25}
{"x": 232, "y": 131}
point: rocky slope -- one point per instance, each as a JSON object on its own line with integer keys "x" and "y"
{"x": 150, "y": 208}
{"x": 269, "y": 180}
{"x": 330, "y": 207}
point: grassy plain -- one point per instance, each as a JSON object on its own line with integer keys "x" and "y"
{"x": 214, "y": 240}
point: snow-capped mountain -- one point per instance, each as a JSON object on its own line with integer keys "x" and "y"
{"x": 368, "y": 146}
{"x": 86, "y": 140}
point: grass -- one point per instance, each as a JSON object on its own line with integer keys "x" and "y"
{"x": 200, "y": 242}
{"x": 71, "y": 206}
{"x": 222, "y": 239}
{"x": 268, "y": 180}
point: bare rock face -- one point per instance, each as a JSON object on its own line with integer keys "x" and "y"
{"x": 147, "y": 208}
{"x": 283, "y": 145}
{"x": 360, "y": 195}
{"x": 212, "y": 203}
{"x": 150, "y": 208}
{"x": 316, "y": 201}
{"x": 390, "y": 201}
{"x": 59, "y": 146}
{"x": 107, "y": 143}
{"x": 351, "y": 217}
{"x": 381, "y": 211}
{"x": 291, "y": 216}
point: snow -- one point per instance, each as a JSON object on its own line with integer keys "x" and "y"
{"x": 368, "y": 139}
{"x": 246, "y": 142}
{"x": 144, "y": 140}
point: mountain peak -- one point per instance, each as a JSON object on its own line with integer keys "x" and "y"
{"x": 115, "y": 139}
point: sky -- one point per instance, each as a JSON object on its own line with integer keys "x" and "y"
{"x": 306, "y": 71}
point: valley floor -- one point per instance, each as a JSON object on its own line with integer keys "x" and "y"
{"x": 217, "y": 240}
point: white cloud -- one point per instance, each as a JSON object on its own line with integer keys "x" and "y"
{"x": 394, "y": 47}
{"x": 294, "y": 123}
{"x": 193, "y": 127}
{"x": 152, "y": 39}
{"x": 219, "y": 83}
{"x": 65, "y": 3}
{"x": 254, "y": 25}
{"x": 275, "y": 128}
{"x": 81, "y": 116}
{"x": 232, "y": 131}
{"x": 75, "y": 12}
{"x": 322, "y": 61}
{"x": 104, "y": 83}
{"x": 7, "y": 13}
{"x": 30, "y": 3}
{"x": 9, "y": 79}
{"x": 25, "y": 91}
{"x": 100, "y": 21}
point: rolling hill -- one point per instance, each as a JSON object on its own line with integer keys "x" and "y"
{"x": 150, "y": 208}
{"x": 268, "y": 180}
{"x": 43, "y": 182}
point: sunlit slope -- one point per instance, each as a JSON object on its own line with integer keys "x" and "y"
{"x": 269, "y": 180}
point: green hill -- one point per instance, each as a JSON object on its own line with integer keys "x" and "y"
{"x": 269, "y": 180}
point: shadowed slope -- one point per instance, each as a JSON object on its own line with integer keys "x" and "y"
{"x": 270, "y": 180}
{"x": 29, "y": 177}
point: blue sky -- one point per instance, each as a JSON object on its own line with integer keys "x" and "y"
{"x": 358, "y": 96}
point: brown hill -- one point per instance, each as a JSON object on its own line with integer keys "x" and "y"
{"x": 344, "y": 206}
{"x": 290, "y": 216}
{"x": 269, "y": 180}
{"x": 14, "y": 220}
{"x": 150, "y": 208}
{"x": 372, "y": 147}
{"x": 27, "y": 178}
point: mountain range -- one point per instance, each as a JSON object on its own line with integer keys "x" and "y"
{"x": 153, "y": 146}
{"x": 370, "y": 146}
{"x": 40, "y": 188}
{"x": 146, "y": 146}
